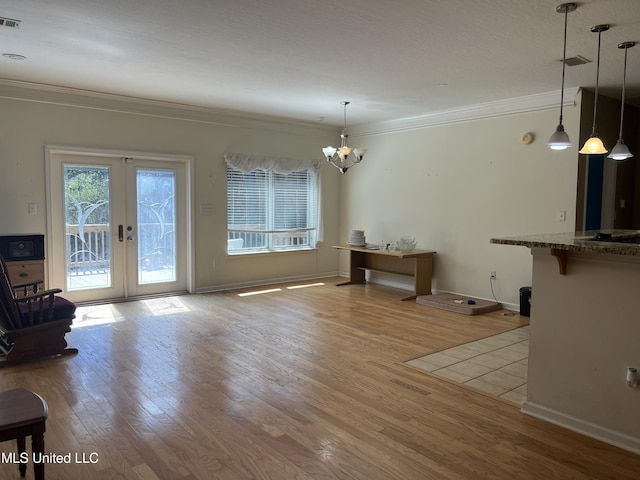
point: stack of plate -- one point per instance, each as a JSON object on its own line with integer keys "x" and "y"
{"x": 357, "y": 238}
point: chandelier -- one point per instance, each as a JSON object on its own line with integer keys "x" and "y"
{"x": 344, "y": 157}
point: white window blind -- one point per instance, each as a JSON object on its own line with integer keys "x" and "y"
{"x": 268, "y": 211}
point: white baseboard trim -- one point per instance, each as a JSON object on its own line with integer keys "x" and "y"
{"x": 382, "y": 279}
{"x": 589, "y": 429}
{"x": 265, "y": 282}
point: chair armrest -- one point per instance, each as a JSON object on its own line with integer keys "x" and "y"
{"x": 27, "y": 284}
{"x": 26, "y": 287}
{"x": 36, "y": 296}
{"x": 44, "y": 303}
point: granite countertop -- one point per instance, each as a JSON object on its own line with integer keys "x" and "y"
{"x": 621, "y": 242}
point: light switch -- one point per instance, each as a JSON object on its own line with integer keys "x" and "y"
{"x": 33, "y": 208}
{"x": 562, "y": 215}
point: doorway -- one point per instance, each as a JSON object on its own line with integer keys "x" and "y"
{"x": 118, "y": 224}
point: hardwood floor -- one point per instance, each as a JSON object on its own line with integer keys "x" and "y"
{"x": 294, "y": 383}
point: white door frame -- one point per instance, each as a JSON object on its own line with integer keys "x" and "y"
{"x": 187, "y": 160}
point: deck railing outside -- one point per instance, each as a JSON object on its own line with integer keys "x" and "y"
{"x": 88, "y": 248}
{"x": 255, "y": 238}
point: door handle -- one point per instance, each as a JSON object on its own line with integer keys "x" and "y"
{"x": 120, "y": 233}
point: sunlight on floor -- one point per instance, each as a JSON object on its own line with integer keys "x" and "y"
{"x": 273, "y": 290}
{"x": 106, "y": 313}
{"x": 259, "y": 292}
{"x": 165, "y": 306}
{"x": 91, "y": 315}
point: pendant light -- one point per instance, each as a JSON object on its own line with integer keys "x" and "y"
{"x": 560, "y": 140}
{"x": 594, "y": 146}
{"x": 621, "y": 151}
{"x": 344, "y": 157}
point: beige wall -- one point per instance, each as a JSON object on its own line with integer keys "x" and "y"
{"x": 452, "y": 186}
{"x": 456, "y": 186}
{"x": 26, "y": 127}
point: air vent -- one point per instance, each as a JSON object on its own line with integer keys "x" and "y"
{"x": 9, "y": 22}
{"x": 575, "y": 61}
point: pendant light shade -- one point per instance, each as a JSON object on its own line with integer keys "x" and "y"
{"x": 594, "y": 146}
{"x": 560, "y": 140}
{"x": 621, "y": 151}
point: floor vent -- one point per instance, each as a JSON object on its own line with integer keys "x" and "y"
{"x": 9, "y": 22}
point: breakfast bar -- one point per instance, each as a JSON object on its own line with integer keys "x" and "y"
{"x": 585, "y": 332}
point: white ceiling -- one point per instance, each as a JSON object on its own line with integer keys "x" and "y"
{"x": 298, "y": 59}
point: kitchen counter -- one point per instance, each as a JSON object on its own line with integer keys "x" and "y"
{"x": 584, "y": 332}
{"x": 620, "y": 242}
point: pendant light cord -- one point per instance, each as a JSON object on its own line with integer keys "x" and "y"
{"x": 595, "y": 101}
{"x": 624, "y": 81}
{"x": 564, "y": 62}
{"x": 344, "y": 127}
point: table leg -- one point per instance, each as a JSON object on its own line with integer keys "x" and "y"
{"x": 422, "y": 276}
{"x": 37, "y": 448}
{"x": 22, "y": 447}
{"x": 356, "y": 274}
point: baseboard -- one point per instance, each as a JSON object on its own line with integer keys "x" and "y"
{"x": 388, "y": 281}
{"x": 589, "y": 429}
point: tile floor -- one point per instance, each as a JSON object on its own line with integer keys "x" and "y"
{"x": 496, "y": 365}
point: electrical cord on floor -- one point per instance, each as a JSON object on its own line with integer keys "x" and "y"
{"x": 509, "y": 313}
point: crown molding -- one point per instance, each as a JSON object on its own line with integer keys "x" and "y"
{"x": 35, "y": 92}
{"x": 511, "y": 106}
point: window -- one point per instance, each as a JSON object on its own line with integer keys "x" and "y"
{"x": 269, "y": 211}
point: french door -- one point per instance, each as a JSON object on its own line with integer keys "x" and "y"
{"x": 118, "y": 226}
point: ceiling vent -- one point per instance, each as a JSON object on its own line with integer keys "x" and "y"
{"x": 9, "y": 22}
{"x": 575, "y": 61}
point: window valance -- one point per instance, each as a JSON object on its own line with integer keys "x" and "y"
{"x": 248, "y": 163}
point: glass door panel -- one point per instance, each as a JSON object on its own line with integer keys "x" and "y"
{"x": 156, "y": 226}
{"x": 156, "y": 200}
{"x": 87, "y": 220}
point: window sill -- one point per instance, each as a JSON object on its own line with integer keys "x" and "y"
{"x": 272, "y": 252}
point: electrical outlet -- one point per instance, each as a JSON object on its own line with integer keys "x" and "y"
{"x": 493, "y": 276}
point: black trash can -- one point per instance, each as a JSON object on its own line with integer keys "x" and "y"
{"x": 525, "y": 301}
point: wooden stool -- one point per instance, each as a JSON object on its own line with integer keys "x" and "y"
{"x": 22, "y": 414}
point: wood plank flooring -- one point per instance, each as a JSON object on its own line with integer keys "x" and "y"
{"x": 293, "y": 383}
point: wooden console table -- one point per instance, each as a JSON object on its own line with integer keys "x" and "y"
{"x": 417, "y": 264}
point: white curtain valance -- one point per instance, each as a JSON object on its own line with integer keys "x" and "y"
{"x": 248, "y": 163}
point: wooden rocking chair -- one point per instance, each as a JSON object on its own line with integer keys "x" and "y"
{"x": 32, "y": 326}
